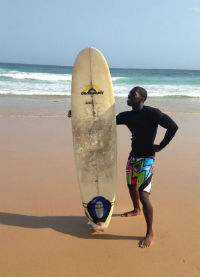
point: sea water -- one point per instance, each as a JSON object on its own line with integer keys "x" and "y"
{"x": 20, "y": 79}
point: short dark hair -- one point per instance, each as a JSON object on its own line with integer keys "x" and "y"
{"x": 141, "y": 91}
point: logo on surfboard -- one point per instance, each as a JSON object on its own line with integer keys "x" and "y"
{"x": 98, "y": 209}
{"x": 91, "y": 90}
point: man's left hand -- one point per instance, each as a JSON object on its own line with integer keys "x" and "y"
{"x": 156, "y": 148}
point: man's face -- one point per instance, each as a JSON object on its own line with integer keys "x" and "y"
{"x": 134, "y": 98}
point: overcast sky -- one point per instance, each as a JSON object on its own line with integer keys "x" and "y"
{"x": 130, "y": 33}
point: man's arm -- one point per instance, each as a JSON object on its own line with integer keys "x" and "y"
{"x": 121, "y": 118}
{"x": 166, "y": 122}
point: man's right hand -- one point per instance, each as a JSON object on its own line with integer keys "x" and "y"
{"x": 69, "y": 113}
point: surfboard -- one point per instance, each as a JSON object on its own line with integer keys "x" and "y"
{"x": 94, "y": 135}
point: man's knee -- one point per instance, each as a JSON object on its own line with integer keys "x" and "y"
{"x": 132, "y": 188}
{"x": 144, "y": 197}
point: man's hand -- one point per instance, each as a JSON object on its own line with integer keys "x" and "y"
{"x": 156, "y": 148}
{"x": 69, "y": 113}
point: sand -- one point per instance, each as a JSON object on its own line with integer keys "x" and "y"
{"x": 43, "y": 230}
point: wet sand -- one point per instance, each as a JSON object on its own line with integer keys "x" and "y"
{"x": 43, "y": 228}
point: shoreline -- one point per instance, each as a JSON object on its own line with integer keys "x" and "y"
{"x": 59, "y": 105}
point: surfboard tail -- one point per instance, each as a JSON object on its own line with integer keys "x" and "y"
{"x": 99, "y": 212}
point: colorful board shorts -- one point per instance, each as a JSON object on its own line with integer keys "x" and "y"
{"x": 139, "y": 172}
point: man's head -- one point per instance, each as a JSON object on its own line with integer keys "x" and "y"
{"x": 137, "y": 96}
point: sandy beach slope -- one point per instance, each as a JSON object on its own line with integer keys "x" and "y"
{"x": 43, "y": 228}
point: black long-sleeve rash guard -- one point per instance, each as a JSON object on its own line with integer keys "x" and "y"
{"x": 143, "y": 125}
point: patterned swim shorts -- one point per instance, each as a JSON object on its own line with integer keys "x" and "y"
{"x": 139, "y": 172}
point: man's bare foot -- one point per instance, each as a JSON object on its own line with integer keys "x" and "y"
{"x": 148, "y": 241}
{"x": 131, "y": 213}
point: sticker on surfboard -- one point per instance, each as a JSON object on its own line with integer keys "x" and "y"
{"x": 99, "y": 209}
{"x": 92, "y": 90}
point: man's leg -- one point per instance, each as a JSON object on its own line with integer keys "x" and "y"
{"x": 134, "y": 194}
{"x": 148, "y": 214}
{"x": 133, "y": 188}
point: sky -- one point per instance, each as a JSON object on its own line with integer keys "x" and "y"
{"x": 130, "y": 33}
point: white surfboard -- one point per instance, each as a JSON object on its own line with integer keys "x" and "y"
{"x": 94, "y": 135}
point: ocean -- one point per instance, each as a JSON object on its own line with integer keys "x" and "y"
{"x": 41, "y": 80}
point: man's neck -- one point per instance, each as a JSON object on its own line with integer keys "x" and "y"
{"x": 138, "y": 107}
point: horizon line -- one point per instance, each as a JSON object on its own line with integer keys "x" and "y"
{"x": 137, "y": 68}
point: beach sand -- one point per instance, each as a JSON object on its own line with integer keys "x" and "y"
{"x": 43, "y": 228}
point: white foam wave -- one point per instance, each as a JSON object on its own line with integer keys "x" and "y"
{"x": 173, "y": 90}
{"x": 160, "y": 90}
{"x": 116, "y": 78}
{"x": 64, "y": 88}
{"x": 36, "y": 93}
{"x": 37, "y": 76}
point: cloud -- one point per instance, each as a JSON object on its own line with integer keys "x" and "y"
{"x": 197, "y": 10}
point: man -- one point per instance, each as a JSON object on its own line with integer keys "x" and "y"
{"x": 143, "y": 122}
